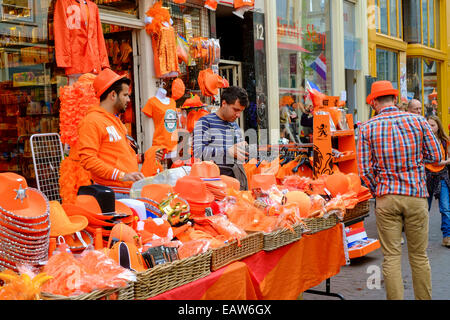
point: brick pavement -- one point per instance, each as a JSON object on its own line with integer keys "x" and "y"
{"x": 351, "y": 282}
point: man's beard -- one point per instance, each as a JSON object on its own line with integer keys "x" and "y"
{"x": 120, "y": 109}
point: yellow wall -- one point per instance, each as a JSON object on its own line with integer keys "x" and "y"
{"x": 379, "y": 40}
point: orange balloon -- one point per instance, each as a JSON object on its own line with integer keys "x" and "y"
{"x": 302, "y": 200}
{"x": 337, "y": 183}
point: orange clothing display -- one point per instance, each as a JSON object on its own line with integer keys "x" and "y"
{"x": 151, "y": 166}
{"x": 165, "y": 120}
{"x": 104, "y": 149}
{"x": 79, "y": 43}
{"x": 165, "y": 56}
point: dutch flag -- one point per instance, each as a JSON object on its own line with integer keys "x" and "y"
{"x": 320, "y": 66}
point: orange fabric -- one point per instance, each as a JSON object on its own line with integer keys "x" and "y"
{"x": 434, "y": 167}
{"x": 241, "y": 3}
{"x": 165, "y": 57}
{"x": 281, "y": 274}
{"x": 165, "y": 134}
{"x": 104, "y": 150}
{"x": 79, "y": 42}
{"x": 151, "y": 166}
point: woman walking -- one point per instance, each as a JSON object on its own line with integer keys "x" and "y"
{"x": 438, "y": 181}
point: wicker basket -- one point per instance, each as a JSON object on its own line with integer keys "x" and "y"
{"x": 359, "y": 210}
{"x": 318, "y": 224}
{"x": 168, "y": 276}
{"x": 276, "y": 239}
{"x": 123, "y": 293}
{"x": 235, "y": 250}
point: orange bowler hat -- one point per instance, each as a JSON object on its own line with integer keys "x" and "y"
{"x": 104, "y": 80}
{"x": 379, "y": 89}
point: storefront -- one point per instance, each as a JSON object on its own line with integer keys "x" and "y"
{"x": 30, "y": 77}
{"x": 408, "y": 46}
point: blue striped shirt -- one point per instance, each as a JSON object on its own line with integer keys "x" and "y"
{"x": 213, "y": 136}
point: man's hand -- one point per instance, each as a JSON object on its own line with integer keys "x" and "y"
{"x": 160, "y": 155}
{"x": 238, "y": 151}
{"x": 133, "y": 176}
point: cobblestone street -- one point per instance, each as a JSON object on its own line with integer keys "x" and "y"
{"x": 351, "y": 282}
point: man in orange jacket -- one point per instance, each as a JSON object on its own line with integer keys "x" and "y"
{"x": 104, "y": 148}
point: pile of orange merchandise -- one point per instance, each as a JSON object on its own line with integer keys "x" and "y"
{"x": 210, "y": 82}
{"x": 24, "y": 223}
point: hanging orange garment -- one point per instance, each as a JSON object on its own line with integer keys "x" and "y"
{"x": 151, "y": 166}
{"x": 165, "y": 119}
{"x": 79, "y": 43}
{"x": 165, "y": 56}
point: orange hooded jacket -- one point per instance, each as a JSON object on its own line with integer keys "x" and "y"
{"x": 79, "y": 43}
{"x": 104, "y": 149}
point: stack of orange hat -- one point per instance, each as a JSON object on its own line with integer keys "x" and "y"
{"x": 210, "y": 82}
{"x": 195, "y": 192}
{"x": 98, "y": 205}
{"x": 209, "y": 172}
{"x": 24, "y": 223}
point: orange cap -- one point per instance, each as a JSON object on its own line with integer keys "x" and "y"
{"x": 104, "y": 80}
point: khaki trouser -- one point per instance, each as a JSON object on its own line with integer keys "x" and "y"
{"x": 392, "y": 211}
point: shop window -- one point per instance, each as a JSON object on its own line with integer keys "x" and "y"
{"x": 422, "y": 22}
{"x": 387, "y": 66}
{"x": 125, "y": 6}
{"x": 430, "y": 81}
{"x": 389, "y": 17}
{"x": 383, "y": 16}
{"x": 414, "y": 78}
{"x": 17, "y": 10}
{"x": 304, "y": 59}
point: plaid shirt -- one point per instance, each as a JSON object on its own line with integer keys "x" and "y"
{"x": 392, "y": 150}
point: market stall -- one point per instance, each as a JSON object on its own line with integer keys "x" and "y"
{"x": 185, "y": 230}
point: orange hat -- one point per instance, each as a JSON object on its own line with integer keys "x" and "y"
{"x": 193, "y": 102}
{"x": 209, "y": 172}
{"x": 263, "y": 181}
{"x": 20, "y": 202}
{"x": 212, "y": 83}
{"x": 79, "y": 240}
{"x": 156, "y": 192}
{"x": 287, "y": 100}
{"x": 379, "y": 89}
{"x": 231, "y": 182}
{"x": 104, "y": 80}
{"x": 61, "y": 224}
{"x": 337, "y": 183}
{"x": 433, "y": 95}
{"x": 122, "y": 232}
{"x": 193, "y": 117}
{"x": 156, "y": 228}
{"x": 178, "y": 89}
{"x": 127, "y": 255}
{"x": 301, "y": 199}
{"x": 193, "y": 189}
{"x": 211, "y": 4}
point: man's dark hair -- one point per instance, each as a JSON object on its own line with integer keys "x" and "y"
{"x": 385, "y": 99}
{"x": 231, "y": 94}
{"x": 116, "y": 86}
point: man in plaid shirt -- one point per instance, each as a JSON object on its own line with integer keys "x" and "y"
{"x": 393, "y": 147}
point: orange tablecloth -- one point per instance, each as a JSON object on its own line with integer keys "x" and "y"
{"x": 281, "y": 274}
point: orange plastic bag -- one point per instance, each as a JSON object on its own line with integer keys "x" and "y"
{"x": 192, "y": 248}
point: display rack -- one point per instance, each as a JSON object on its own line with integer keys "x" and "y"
{"x": 327, "y": 137}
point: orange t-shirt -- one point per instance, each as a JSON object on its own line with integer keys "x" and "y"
{"x": 435, "y": 167}
{"x": 165, "y": 120}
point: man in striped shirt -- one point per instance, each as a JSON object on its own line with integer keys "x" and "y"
{"x": 393, "y": 147}
{"x": 218, "y": 138}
